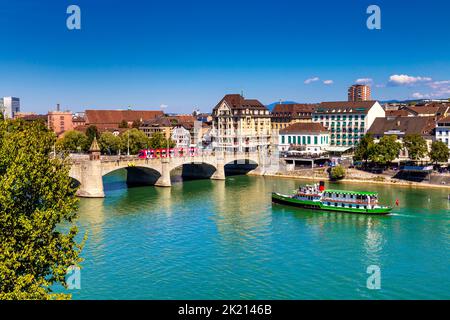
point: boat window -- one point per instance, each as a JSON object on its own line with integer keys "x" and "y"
{"x": 342, "y": 205}
{"x": 335, "y": 204}
{"x": 357, "y": 206}
{"x": 365, "y": 207}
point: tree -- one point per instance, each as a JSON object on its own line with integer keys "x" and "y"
{"x": 159, "y": 141}
{"x": 73, "y": 141}
{"x": 91, "y": 132}
{"x": 386, "y": 150}
{"x": 365, "y": 148}
{"x": 138, "y": 140}
{"x": 416, "y": 146}
{"x": 136, "y": 124}
{"x": 37, "y": 197}
{"x": 337, "y": 172}
{"x": 439, "y": 152}
{"x": 109, "y": 143}
{"x": 123, "y": 124}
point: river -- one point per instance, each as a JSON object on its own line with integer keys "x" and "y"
{"x": 206, "y": 239}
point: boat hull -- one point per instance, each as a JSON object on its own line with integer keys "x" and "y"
{"x": 315, "y": 205}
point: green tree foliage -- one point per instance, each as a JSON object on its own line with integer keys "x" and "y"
{"x": 439, "y": 152}
{"x": 73, "y": 141}
{"x": 123, "y": 124}
{"x": 337, "y": 172}
{"x": 136, "y": 124}
{"x": 365, "y": 148}
{"x": 109, "y": 143}
{"x": 138, "y": 140}
{"x": 416, "y": 146}
{"x": 37, "y": 197}
{"x": 91, "y": 132}
{"x": 386, "y": 150}
{"x": 159, "y": 141}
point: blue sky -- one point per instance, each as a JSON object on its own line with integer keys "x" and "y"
{"x": 190, "y": 53}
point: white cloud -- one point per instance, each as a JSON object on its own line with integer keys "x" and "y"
{"x": 440, "y": 89}
{"x": 405, "y": 80}
{"x": 328, "y": 82}
{"x": 364, "y": 81}
{"x": 418, "y": 95}
{"x": 311, "y": 80}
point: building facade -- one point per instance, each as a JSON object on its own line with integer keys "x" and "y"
{"x": 359, "y": 92}
{"x": 303, "y": 136}
{"x": 240, "y": 125}
{"x": 283, "y": 115}
{"x": 347, "y": 122}
{"x": 10, "y": 106}
{"x": 443, "y": 130}
{"x": 60, "y": 121}
{"x": 403, "y": 126}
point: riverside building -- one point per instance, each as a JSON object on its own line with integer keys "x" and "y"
{"x": 240, "y": 125}
{"x": 347, "y": 121}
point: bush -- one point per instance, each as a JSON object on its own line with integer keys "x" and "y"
{"x": 337, "y": 173}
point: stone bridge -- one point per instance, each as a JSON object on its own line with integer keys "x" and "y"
{"x": 88, "y": 171}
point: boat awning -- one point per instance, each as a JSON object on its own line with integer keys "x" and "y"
{"x": 417, "y": 168}
{"x": 361, "y": 193}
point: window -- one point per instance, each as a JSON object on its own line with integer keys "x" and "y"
{"x": 289, "y": 139}
{"x": 315, "y": 140}
{"x": 282, "y": 139}
{"x": 309, "y": 139}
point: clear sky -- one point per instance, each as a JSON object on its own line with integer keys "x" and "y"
{"x": 190, "y": 53}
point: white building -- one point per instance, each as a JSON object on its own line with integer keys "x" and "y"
{"x": 9, "y": 106}
{"x": 443, "y": 130}
{"x": 308, "y": 137}
{"x": 347, "y": 121}
{"x": 181, "y": 136}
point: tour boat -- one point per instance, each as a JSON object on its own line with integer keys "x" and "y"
{"x": 316, "y": 197}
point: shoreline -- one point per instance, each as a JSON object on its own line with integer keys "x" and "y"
{"x": 401, "y": 184}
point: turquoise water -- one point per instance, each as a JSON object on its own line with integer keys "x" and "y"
{"x": 225, "y": 240}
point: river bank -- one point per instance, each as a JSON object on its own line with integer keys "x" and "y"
{"x": 359, "y": 181}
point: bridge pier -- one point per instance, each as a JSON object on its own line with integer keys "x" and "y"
{"x": 91, "y": 184}
{"x": 219, "y": 174}
{"x": 164, "y": 180}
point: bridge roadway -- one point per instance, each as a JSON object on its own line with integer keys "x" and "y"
{"x": 89, "y": 172}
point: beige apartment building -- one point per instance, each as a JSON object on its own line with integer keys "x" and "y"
{"x": 283, "y": 115}
{"x": 240, "y": 125}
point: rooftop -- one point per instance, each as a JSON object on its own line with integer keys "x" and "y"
{"x": 115, "y": 117}
{"x": 404, "y": 125}
{"x": 304, "y": 127}
{"x": 345, "y": 106}
{"x": 236, "y": 101}
{"x": 293, "y": 108}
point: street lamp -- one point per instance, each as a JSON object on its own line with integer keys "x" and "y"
{"x": 128, "y": 142}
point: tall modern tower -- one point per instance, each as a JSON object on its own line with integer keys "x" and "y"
{"x": 359, "y": 92}
{"x": 10, "y": 106}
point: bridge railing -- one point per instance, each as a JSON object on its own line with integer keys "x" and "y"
{"x": 76, "y": 158}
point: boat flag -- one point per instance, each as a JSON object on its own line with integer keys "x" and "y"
{"x": 397, "y": 202}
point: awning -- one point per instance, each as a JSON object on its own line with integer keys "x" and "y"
{"x": 337, "y": 149}
{"x": 417, "y": 168}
